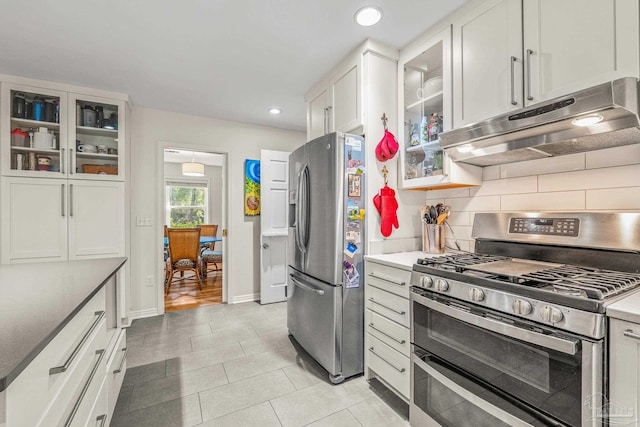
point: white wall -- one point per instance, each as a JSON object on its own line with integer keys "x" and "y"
{"x": 214, "y": 175}
{"x": 603, "y": 180}
{"x": 151, "y": 129}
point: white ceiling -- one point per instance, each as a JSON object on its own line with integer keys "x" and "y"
{"x": 227, "y": 59}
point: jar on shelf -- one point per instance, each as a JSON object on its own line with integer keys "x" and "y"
{"x": 19, "y": 106}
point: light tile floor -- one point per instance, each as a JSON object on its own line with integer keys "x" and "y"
{"x": 235, "y": 365}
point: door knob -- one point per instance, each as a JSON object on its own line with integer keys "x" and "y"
{"x": 265, "y": 245}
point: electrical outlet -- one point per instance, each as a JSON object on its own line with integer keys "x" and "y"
{"x": 149, "y": 281}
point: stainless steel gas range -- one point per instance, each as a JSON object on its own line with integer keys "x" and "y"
{"x": 514, "y": 334}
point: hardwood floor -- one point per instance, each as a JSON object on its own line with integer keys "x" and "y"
{"x": 185, "y": 294}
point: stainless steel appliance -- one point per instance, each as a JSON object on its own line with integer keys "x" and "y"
{"x": 325, "y": 307}
{"x": 515, "y": 333}
{"x": 599, "y": 117}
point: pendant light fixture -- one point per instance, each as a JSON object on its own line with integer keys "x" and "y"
{"x": 193, "y": 168}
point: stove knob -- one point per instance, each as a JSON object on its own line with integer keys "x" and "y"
{"x": 442, "y": 285}
{"x": 551, "y": 314}
{"x": 427, "y": 281}
{"x": 476, "y": 294}
{"x": 522, "y": 307}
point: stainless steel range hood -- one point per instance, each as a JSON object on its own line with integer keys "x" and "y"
{"x": 549, "y": 128}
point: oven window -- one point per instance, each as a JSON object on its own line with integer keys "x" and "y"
{"x": 544, "y": 378}
{"x": 454, "y": 401}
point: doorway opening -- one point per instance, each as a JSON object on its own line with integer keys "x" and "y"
{"x": 193, "y": 199}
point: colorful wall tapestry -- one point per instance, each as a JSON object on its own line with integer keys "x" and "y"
{"x": 251, "y": 187}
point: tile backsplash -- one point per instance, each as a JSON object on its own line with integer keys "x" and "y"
{"x": 603, "y": 180}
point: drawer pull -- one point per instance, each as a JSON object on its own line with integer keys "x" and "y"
{"x": 103, "y": 419}
{"x": 63, "y": 368}
{"x": 629, "y": 333}
{"x": 386, "y": 334}
{"x": 124, "y": 357}
{"x": 401, "y": 313}
{"x": 84, "y": 389}
{"x": 401, "y": 370}
{"x": 387, "y": 280}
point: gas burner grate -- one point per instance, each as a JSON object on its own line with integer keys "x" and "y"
{"x": 589, "y": 282}
{"x": 460, "y": 261}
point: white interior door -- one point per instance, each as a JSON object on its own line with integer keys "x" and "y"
{"x": 274, "y": 176}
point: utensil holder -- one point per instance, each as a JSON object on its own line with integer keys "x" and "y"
{"x": 433, "y": 236}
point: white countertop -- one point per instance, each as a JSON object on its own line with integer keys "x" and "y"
{"x": 626, "y": 309}
{"x": 402, "y": 260}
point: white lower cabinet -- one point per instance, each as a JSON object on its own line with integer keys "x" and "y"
{"x": 387, "y": 333}
{"x": 55, "y": 220}
{"x": 75, "y": 380}
{"x": 624, "y": 372}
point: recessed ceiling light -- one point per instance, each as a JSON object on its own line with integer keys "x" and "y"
{"x": 466, "y": 148}
{"x": 589, "y": 120}
{"x": 275, "y": 111}
{"x": 368, "y": 15}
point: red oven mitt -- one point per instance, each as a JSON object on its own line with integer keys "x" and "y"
{"x": 387, "y": 147}
{"x": 387, "y": 205}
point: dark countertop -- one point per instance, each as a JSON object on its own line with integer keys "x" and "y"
{"x": 38, "y": 300}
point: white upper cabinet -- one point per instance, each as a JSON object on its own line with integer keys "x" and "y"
{"x": 509, "y": 54}
{"x": 574, "y": 44}
{"x": 51, "y": 133}
{"x": 425, "y": 100}
{"x": 334, "y": 104}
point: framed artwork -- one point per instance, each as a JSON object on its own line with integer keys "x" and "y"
{"x": 354, "y": 185}
{"x": 251, "y": 187}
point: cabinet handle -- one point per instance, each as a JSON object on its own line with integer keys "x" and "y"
{"x": 401, "y": 313}
{"x": 386, "y": 334}
{"x": 63, "y": 368}
{"x": 629, "y": 333}
{"x": 529, "y": 53}
{"x": 62, "y": 161}
{"x": 387, "y": 280}
{"x": 103, "y": 419}
{"x": 401, "y": 370}
{"x": 124, "y": 357}
{"x": 513, "y": 90}
{"x": 84, "y": 389}
{"x": 72, "y": 162}
{"x": 62, "y": 200}
{"x": 70, "y": 200}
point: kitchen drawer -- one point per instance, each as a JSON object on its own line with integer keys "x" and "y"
{"x": 98, "y": 416}
{"x": 116, "y": 368}
{"x": 388, "y": 305}
{"x": 388, "y": 364}
{"x": 75, "y": 401}
{"x": 390, "y": 279}
{"x": 390, "y": 333}
{"x": 36, "y": 387}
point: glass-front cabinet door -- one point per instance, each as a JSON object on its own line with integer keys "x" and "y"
{"x": 96, "y": 137}
{"x": 425, "y": 99}
{"x": 34, "y": 130}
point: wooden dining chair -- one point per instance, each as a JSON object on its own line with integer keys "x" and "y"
{"x": 210, "y": 255}
{"x": 184, "y": 252}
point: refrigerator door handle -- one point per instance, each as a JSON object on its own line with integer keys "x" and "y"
{"x": 302, "y": 221}
{"x": 298, "y": 223}
{"x": 306, "y": 287}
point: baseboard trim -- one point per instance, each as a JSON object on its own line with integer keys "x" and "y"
{"x": 245, "y": 298}
{"x": 141, "y": 314}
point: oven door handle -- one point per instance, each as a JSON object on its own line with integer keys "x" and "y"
{"x": 562, "y": 345}
{"x": 469, "y": 396}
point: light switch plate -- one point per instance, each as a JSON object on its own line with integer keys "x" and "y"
{"x": 143, "y": 221}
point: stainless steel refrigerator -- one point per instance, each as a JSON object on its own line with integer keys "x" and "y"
{"x": 325, "y": 287}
